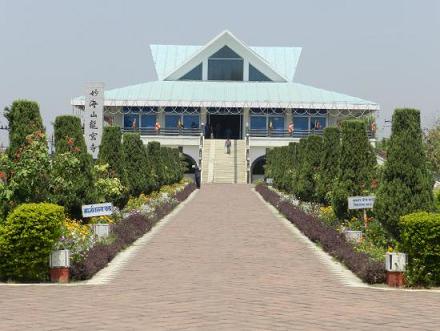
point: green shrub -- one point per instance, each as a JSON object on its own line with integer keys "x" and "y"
{"x": 309, "y": 158}
{"x": 107, "y": 187}
{"x": 420, "y": 239}
{"x": 24, "y": 119}
{"x": 69, "y": 139}
{"x": 287, "y": 168}
{"x": 180, "y": 164}
{"x": 328, "y": 170}
{"x": 66, "y": 182}
{"x": 157, "y": 165}
{"x": 68, "y": 134}
{"x": 26, "y": 239}
{"x": 111, "y": 153}
{"x": 437, "y": 199}
{"x": 137, "y": 165}
{"x": 406, "y": 184}
{"x": 356, "y": 166}
{"x": 28, "y": 172}
{"x": 281, "y": 165}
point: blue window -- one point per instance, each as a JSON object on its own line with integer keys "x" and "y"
{"x": 148, "y": 121}
{"x": 191, "y": 121}
{"x": 194, "y": 74}
{"x": 277, "y": 123}
{"x": 256, "y": 75}
{"x": 131, "y": 121}
{"x": 318, "y": 123}
{"x": 258, "y": 122}
{"x": 301, "y": 124}
{"x": 171, "y": 121}
{"x": 225, "y": 64}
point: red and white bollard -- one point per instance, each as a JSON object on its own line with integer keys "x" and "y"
{"x": 59, "y": 263}
{"x": 395, "y": 265}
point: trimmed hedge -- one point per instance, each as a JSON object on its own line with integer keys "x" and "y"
{"x": 26, "y": 239}
{"x": 126, "y": 232}
{"x": 420, "y": 239}
{"x": 332, "y": 241}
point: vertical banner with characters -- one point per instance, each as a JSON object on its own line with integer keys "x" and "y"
{"x": 93, "y": 117}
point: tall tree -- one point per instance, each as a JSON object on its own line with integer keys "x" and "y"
{"x": 70, "y": 145}
{"x": 24, "y": 119}
{"x": 111, "y": 152}
{"x": 432, "y": 142}
{"x": 158, "y": 168}
{"x": 310, "y": 150}
{"x": 328, "y": 170}
{"x": 137, "y": 165}
{"x": 406, "y": 185}
{"x": 356, "y": 166}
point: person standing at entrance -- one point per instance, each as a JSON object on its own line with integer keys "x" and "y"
{"x": 228, "y": 146}
{"x": 197, "y": 175}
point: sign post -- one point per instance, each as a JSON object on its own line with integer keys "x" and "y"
{"x": 98, "y": 209}
{"x": 93, "y": 117}
{"x": 362, "y": 202}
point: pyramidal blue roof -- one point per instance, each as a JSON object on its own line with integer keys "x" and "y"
{"x": 167, "y": 58}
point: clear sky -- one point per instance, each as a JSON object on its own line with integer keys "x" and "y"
{"x": 384, "y": 51}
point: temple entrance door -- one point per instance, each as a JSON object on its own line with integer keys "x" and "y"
{"x": 224, "y": 126}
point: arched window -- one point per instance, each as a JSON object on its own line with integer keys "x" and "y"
{"x": 225, "y": 64}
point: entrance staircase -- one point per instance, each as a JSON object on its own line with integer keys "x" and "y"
{"x": 220, "y": 167}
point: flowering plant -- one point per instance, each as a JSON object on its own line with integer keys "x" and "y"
{"x": 101, "y": 220}
{"x": 107, "y": 188}
{"x": 77, "y": 238}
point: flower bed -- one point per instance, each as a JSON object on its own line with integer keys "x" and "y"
{"x": 333, "y": 242}
{"x": 127, "y": 230}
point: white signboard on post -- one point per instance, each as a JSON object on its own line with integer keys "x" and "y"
{"x": 361, "y": 202}
{"x": 98, "y": 209}
{"x": 93, "y": 117}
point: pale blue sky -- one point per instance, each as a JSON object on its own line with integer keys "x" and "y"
{"x": 385, "y": 51}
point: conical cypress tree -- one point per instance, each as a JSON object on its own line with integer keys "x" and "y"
{"x": 356, "y": 167}
{"x": 155, "y": 156}
{"x": 328, "y": 170}
{"x": 110, "y": 152}
{"x": 167, "y": 165}
{"x": 290, "y": 167}
{"x": 68, "y": 133}
{"x": 406, "y": 185}
{"x": 179, "y": 165}
{"x": 69, "y": 139}
{"x": 137, "y": 164}
{"x": 24, "y": 119}
{"x": 309, "y": 162}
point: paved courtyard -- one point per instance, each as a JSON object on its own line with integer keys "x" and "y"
{"x": 223, "y": 262}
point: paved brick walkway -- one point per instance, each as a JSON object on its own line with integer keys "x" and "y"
{"x": 224, "y": 262}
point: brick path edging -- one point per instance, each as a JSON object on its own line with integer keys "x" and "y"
{"x": 113, "y": 267}
{"x": 341, "y": 272}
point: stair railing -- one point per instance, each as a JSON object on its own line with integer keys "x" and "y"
{"x": 248, "y": 158}
{"x": 201, "y": 143}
